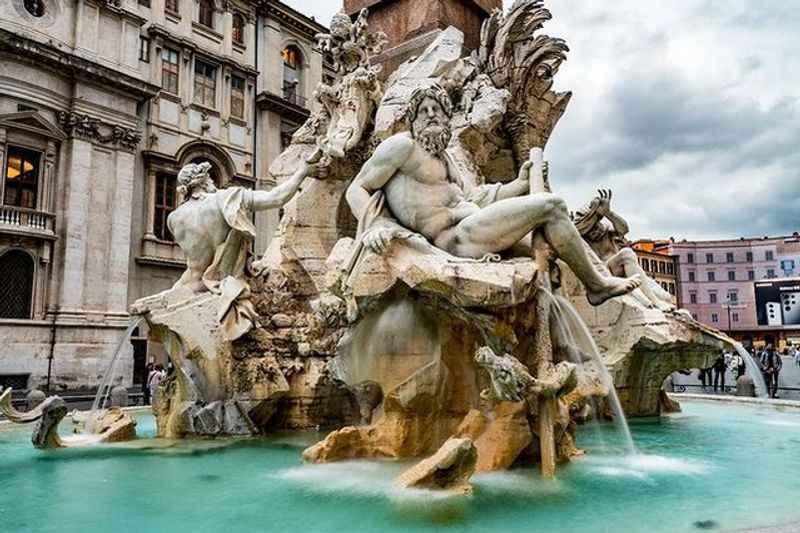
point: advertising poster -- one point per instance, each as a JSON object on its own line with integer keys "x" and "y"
{"x": 778, "y": 302}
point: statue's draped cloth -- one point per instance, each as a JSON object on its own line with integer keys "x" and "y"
{"x": 225, "y": 275}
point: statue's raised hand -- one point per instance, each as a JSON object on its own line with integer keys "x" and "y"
{"x": 604, "y": 201}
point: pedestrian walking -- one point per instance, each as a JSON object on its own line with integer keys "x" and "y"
{"x": 738, "y": 363}
{"x": 771, "y": 364}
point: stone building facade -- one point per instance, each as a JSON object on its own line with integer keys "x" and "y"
{"x": 717, "y": 280}
{"x": 656, "y": 261}
{"x": 101, "y": 103}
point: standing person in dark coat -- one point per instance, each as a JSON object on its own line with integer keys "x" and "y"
{"x": 719, "y": 367}
{"x": 771, "y": 365}
{"x": 145, "y": 388}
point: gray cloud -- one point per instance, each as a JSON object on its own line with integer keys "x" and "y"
{"x": 688, "y": 110}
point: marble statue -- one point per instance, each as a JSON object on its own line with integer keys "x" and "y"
{"x": 604, "y": 230}
{"x": 349, "y": 103}
{"x": 214, "y": 228}
{"x": 411, "y": 173}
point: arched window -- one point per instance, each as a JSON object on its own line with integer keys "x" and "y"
{"x": 16, "y": 284}
{"x": 238, "y": 28}
{"x": 206, "y": 17}
{"x": 292, "y": 71}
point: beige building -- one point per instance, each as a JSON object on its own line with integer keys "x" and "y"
{"x": 101, "y": 103}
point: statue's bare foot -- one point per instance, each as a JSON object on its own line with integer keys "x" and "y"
{"x": 612, "y": 286}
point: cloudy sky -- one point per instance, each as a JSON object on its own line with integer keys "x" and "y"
{"x": 689, "y": 110}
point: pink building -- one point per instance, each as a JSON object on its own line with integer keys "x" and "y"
{"x": 716, "y": 282}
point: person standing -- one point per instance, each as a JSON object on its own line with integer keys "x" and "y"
{"x": 719, "y": 367}
{"x": 796, "y": 356}
{"x": 771, "y": 366}
{"x": 738, "y": 362}
{"x": 148, "y": 370}
{"x": 156, "y": 376}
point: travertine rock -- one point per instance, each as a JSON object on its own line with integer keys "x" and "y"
{"x": 448, "y": 469}
{"x": 507, "y": 434}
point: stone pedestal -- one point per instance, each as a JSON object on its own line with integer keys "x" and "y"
{"x": 412, "y": 25}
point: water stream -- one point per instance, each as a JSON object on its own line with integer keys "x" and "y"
{"x": 753, "y": 369}
{"x": 109, "y": 377}
{"x": 574, "y": 331}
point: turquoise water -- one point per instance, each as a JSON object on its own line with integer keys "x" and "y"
{"x": 713, "y": 466}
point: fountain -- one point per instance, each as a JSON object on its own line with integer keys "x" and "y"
{"x": 100, "y": 425}
{"x": 442, "y": 351}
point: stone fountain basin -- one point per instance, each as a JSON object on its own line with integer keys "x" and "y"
{"x": 260, "y": 484}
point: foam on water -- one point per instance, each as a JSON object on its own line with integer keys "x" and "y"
{"x": 643, "y": 466}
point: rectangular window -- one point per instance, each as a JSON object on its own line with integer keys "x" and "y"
{"x": 171, "y": 6}
{"x": 672, "y": 289}
{"x": 144, "y": 49}
{"x": 645, "y": 264}
{"x": 714, "y": 318}
{"x": 164, "y": 205}
{"x": 711, "y": 276}
{"x": 662, "y": 267}
{"x": 733, "y": 297}
{"x": 170, "y": 70}
{"x": 205, "y": 84}
{"x": 21, "y": 177}
{"x": 769, "y": 256}
{"x": 712, "y": 297}
{"x": 145, "y": 3}
{"x": 287, "y": 130}
{"x": 693, "y": 297}
{"x": 691, "y": 276}
{"x": 237, "y": 97}
{"x": 731, "y": 275}
{"x": 749, "y": 257}
{"x": 205, "y": 15}
{"x": 770, "y": 272}
{"x": 670, "y": 268}
{"x": 735, "y": 317}
{"x": 690, "y": 258}
{"x": 709, "y": 258}
{"x": 751, "y": 275}
{"x": 729, "y": 257}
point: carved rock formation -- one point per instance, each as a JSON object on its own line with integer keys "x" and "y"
{"x": 448, "y": 469}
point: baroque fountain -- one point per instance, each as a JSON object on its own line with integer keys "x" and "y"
{"x": 428, "y": 298}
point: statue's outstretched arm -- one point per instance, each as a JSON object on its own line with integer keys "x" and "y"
{"x": 388, "y": 157}
{"x": 281, "y": 194}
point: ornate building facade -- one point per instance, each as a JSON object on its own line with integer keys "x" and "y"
{"x": 101, "y": 103}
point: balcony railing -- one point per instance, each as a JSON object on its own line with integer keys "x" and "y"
{"x": 23, "y": 219}
{"x": 290, "y": 94}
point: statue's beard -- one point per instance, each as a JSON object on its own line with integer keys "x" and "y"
{"x": 433, "y": 138}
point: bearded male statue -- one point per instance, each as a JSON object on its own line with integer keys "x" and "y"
{"x": 421, "y": 188}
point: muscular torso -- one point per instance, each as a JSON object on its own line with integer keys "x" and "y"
{"x": 199, "y": 227}
{"x": 422, "y": 198}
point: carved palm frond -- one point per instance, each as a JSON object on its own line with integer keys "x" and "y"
{"x": 517, "y": 59}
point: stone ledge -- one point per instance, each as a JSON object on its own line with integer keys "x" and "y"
{"x": 769, "y": 402}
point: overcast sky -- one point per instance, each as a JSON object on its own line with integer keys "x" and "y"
{"x": 687, "y": 109}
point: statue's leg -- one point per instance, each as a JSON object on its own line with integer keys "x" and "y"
{"x": 626, "y": 261}
{"x": 500, "y": 225}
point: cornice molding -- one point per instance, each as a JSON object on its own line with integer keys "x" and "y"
{"x": 291, "y": 17}
{"x": 70, "y": 65}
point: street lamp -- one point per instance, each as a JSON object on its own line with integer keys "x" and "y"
{"x": 729, "y": 304}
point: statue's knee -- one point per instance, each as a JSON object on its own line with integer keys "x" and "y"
{"x": 628, "y": 254}
{"x": 556, "y": 204}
